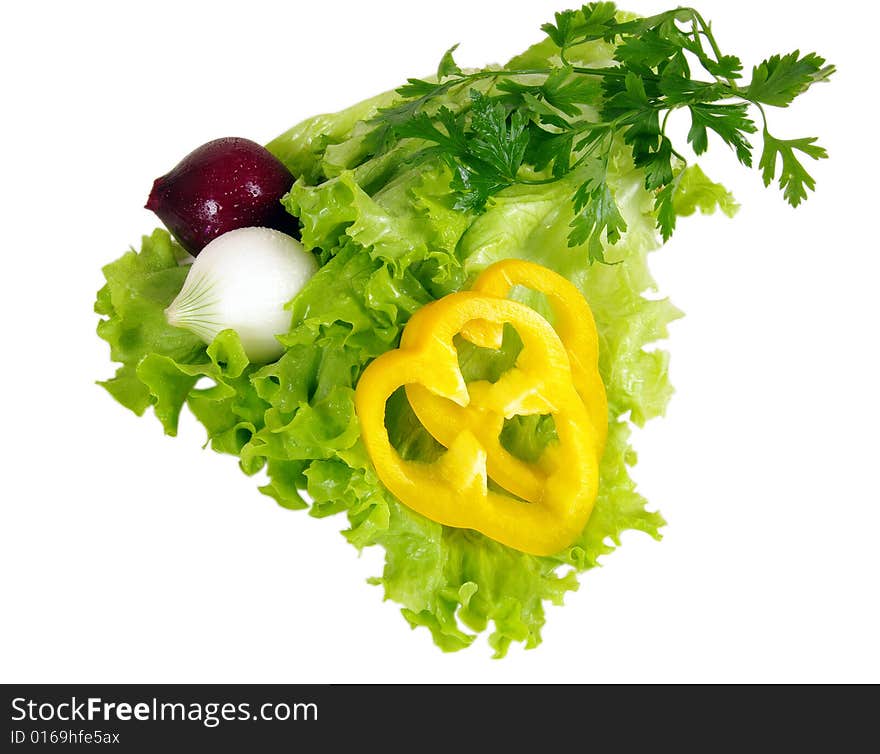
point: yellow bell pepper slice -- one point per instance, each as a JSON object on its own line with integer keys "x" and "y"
{"x": 454, "y": 489}
{"x": 575, "y": 327}
{"x": 573, "y": 322}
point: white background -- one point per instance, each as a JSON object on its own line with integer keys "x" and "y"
{"x": 129, "y": 556}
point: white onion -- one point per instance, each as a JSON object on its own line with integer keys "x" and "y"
{"x": 242, "y": 280}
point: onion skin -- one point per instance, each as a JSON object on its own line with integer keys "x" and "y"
{"x": 223, "y": 185}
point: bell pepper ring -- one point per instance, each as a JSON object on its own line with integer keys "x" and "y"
{"x": 573, "y": 322}
{"x": 576, "y": 329}
{"x": 453, "y": 490}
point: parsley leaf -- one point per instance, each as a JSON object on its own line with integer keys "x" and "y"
{"x": 726, "y": 67}
{"x": 730, "y": 122}
{"x": 779, "y": 79}
{"x": 473, "y": 188}
{"x": 596, "y": 213}
{"x": 451, "y": 136}
{"x": 562, "y": 89}
{"x": 593, "y": 21}
{"x": 555, "y": 150}
{"x": 647, "y": 51}
{"x": 599, "y": 20}
{"x": 665, "y": 209}
{"x": 568, "y": 92}
{"x": 498, "y": 141}
{"x": 794, "y": 179}
{"x": 562, "y": 32}
{"x": 448, "y": 66}
{"x": 658, "y": 165}
{"x": 416, "y": 94}
{"x": 416, "y": 88}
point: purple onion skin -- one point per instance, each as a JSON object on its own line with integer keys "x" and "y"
{"x": 223, "y": 185}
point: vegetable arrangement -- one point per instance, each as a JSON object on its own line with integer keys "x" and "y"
{"x": 427, "y": 311}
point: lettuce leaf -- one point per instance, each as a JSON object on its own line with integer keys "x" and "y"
{"x": 390, "y": 239}
{"x": 139, "y": 286}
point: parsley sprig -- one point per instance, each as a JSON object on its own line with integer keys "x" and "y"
{"x": 563, "y": 121}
